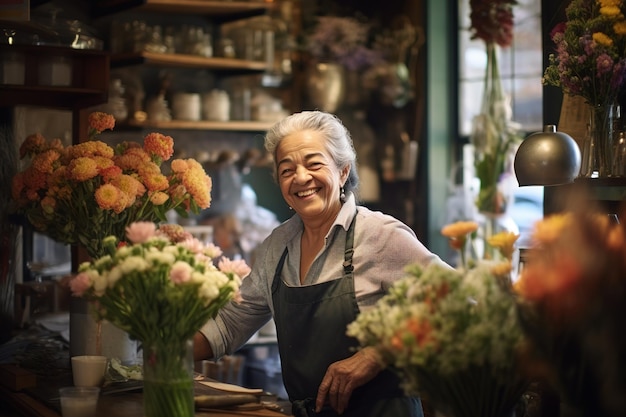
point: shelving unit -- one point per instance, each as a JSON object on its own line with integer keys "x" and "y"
{"x": 221, "y": 10}
{"x": 237, "y": 126}
{"x": 89, "y": 80}
{"x": 217, "y": 12}
{"x": 188, "y": 61}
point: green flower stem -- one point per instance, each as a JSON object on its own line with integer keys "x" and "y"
{"x": 168, "y": 379}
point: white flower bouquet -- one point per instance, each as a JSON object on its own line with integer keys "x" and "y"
{"x": 160, "y": 288}
{"x": 452, "y": 334}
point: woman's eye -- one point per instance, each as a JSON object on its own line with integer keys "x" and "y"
{"x": 285, "y": 172}
{"x": 316, "y": 165}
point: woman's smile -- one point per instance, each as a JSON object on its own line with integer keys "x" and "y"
{"x": 307, "y": 193}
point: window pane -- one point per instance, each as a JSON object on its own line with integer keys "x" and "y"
{"x": 521, "y": 68}
{"x": 527, "y": 103}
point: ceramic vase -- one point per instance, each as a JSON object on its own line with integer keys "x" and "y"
{"x": 325, "y": 86}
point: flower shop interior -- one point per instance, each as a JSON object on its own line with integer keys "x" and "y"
{"x": 420, "y": 85}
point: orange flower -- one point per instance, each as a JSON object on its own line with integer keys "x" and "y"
{"x": 34, "y": 180}
{"x": 33, "y": 144}
{"x": 159, "y": 145}
{"x": 48, "y": 204}
{"x": 45, "y": 161}
{"x": 82, "y": 193}
{"x": 107, "y": 196}
{"x": 458, "y": 229}
{"x": 198, "y": 184}
{"x": 99, "y": 122}
{"x": 89, "y": 149}
{"x": 551, "y": 227}
{"x": 82, "y": 169}
{"x": 159, "y": 198}
{"x": 134, "y": 160}
{"x": 421, "y": 331}
{"x": 111, "y": 172}
{"x": 123, "y": 202}
{"x": 155, "y": 181}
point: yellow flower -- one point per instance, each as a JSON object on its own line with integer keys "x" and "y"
{"x": 504, "y": 241}
{"x": 602, "y": 39}
{"x": 620, "y": 28}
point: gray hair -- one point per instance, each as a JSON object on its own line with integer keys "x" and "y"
{"x": 338, "y": 141}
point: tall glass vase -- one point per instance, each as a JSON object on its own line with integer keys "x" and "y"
{"x": 168, "y": 387}
{"x": 598, "y": 148}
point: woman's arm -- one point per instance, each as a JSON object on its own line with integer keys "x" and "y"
{"x": 201, "y": 348}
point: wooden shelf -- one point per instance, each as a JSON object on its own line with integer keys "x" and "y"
{"x": 88, "y": 85}
{"x": 187, "y": 61}
{"x": 223, "y": 10}
{"x": 235, "y": 125}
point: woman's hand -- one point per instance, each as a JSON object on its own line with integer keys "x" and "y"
{"x": 344, "y": 376}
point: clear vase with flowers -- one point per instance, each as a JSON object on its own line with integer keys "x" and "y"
{"x": 590, "y": 62}
{"x": 82, "y": 193}
{"x": 160, "y": 285}
{"x": 495, "y": 136}
{"x": 452, "y": 334}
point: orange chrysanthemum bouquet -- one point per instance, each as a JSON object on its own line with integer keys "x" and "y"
{"x": 572, "y": 306}
{"x": 82, "y": 193}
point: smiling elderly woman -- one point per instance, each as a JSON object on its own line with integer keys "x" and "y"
{"x": 316, "y": 272}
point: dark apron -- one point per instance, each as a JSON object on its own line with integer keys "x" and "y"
{"x": 311, "y": 325}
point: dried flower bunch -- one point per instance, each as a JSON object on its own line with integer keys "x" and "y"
{"x": 492, "y": 21}
{"x": 343, "y": 40}
{"x": 572, "y": 305}
{"x": 590, "y": 58}
{"x": 452, "y": 334}
{"x": 84, "y": 192}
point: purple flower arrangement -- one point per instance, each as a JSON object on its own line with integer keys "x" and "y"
{"x": 343, "y": 40}
{"x": 590, "y": 56}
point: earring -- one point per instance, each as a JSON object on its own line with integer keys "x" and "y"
{"x": 342, "y": 195}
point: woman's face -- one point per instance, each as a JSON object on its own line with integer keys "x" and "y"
{"x": 307, "y": 175}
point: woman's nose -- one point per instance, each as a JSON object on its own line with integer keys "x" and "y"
{"x": 302, "y": 174}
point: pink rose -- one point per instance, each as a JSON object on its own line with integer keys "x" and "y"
{"x": 80, "y": 284}
{"x": 193, "y": 245}
{"x": 180, "y": 272}
{"x": 238, "y": 267}
{"x": 140, "y": 232}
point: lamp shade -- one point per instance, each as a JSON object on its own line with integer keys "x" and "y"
{"x": 547, "y": 158}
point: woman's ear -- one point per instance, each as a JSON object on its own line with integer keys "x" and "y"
{"x": 344, "y": 175}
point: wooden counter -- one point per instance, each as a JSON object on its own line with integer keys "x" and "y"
{"x": 42, "y": 401}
